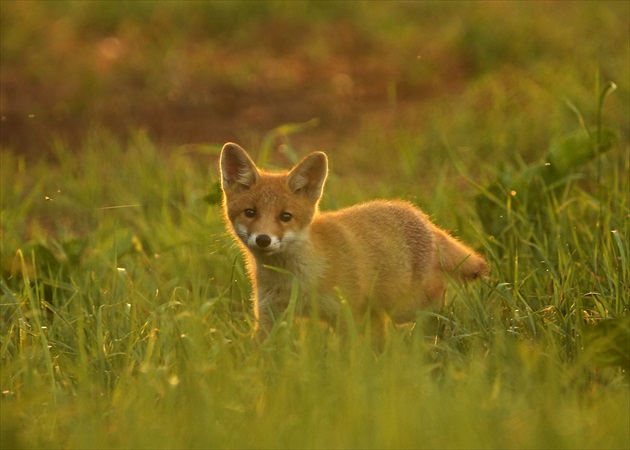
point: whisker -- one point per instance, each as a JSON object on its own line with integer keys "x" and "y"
{"x": 119, "y": 206}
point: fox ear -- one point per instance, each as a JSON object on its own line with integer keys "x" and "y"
{"x": 309, "y": 176}
{"x": 238, "y": 171}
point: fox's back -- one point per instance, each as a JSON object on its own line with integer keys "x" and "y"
{"x": 378, "y": 245}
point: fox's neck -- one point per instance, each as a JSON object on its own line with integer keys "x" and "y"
{"x": 296, "y": 260}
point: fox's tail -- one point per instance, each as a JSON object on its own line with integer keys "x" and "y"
{"x": 458, "y": 259}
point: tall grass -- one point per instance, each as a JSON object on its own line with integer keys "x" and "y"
{"x": 125, "y": 323}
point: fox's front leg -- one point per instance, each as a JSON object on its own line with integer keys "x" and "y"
{"x": 268, "y": 308}
{"x": 262, "y": 330}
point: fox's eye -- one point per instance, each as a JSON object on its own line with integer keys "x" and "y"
{"x": 249, "y": 212}
{"x": 285, "y": 216}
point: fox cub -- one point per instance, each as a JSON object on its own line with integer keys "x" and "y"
{"x": 384, "y": 258}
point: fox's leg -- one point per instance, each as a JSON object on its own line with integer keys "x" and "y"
{"x": 434, "y": 288}
{"x": 427, "y": 294}
{"x": 267, "y": 310}
{"x": 269, "y": 307}
{"x": 262, "y": 329}
{"x": 379, "y": 326}
{"x": 362, "y": 324}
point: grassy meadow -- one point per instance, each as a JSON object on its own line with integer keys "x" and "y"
{"x": 125, "y": 319}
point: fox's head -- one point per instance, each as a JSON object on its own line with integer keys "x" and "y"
{"x": 270, "y": 211}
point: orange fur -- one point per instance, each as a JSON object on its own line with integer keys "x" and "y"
{"x": 383, "y": 257}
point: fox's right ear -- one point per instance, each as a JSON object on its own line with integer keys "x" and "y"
{"x": 238, "y": 171}
{"x": 309, "y": 176}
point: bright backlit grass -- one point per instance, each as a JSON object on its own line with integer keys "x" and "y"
{"x": 128, "y": 326}
{"x": 124, "y": 312}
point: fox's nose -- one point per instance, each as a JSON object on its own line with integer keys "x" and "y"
{"x": 263, "y": 241}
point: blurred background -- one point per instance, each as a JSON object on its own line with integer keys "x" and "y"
{"x": 202, "y": 73}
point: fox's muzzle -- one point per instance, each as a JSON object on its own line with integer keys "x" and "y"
{"x": 263, "y": 241}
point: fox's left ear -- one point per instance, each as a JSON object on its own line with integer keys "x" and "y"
{"x": 238, "y": 171}
{"x": 309, "y": 176}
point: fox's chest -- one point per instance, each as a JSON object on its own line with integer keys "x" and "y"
{"x": 283, "y": 271}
